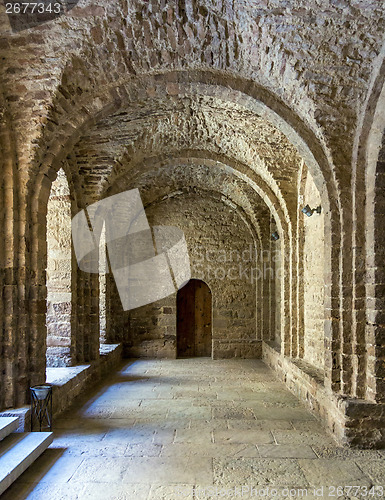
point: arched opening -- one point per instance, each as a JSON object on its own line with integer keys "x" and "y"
{"x": 194, "y": 320}
{"x": 59, "y": 270}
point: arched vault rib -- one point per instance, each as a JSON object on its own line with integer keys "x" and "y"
{"x": 186, "y": 175}
{"x": 232, "y": 169}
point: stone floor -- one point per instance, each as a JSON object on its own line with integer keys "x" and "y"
{"x": 196, "y": 428}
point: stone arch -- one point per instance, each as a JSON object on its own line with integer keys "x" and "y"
{"x": 93, "y": 107}
{"x": 82, "y": 111}
{"x": 257, "y": 183}
{"x": 84, "y": 307}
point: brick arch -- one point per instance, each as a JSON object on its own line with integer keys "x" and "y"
{"x": 152, "y": 37}
{"x": 263, "y": 184}
{"x": 272, "y": 109}
{"x": 190, "y": 156}
{"x": 286, "y": 226}
{"x": 81, "y": 349}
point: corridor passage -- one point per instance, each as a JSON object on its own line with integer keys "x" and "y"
{"x": 195, "y": 428}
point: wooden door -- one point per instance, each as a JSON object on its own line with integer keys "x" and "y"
{"x": 194, "y": 328}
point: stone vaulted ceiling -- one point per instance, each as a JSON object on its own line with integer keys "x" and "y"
{"x": 92, "y": 90}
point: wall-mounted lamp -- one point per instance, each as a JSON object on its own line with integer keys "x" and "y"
{"x": 275, "y": 236}
{"x": 310, "y": 211}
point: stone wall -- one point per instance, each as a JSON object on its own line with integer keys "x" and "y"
{"x": 103, "y": 272}
{"x": 70, "y": 383}
{"x": 277, "y": 306}
{"x": 222, "y": 254}
{"x": 346, "y": 419}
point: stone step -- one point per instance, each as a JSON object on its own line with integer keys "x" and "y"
{"x": 17, "y": 452}
{"x": 8, "y": 425}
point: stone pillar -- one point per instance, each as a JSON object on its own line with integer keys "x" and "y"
{"x": 59, "y": 273}
{"x": 375, "y": 283}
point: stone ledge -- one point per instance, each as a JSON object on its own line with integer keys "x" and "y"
{"x": 352, "y": 422}
{"x": 69, "y": 382}
{"x": 23, "y": 414}
{"x": 237, "y": 348}
{"x": 156, "y": 348}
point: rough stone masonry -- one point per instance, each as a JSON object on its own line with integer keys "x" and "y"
{"x": 229, "y": 116}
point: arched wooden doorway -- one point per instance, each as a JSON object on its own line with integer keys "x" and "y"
{"x": 194, "y": 320}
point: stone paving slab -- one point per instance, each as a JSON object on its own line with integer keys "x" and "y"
{"x": 190, "y": 412}
{"x": 161, "y": 470}
{"x": 327, "y": 472}
{"x": 233, "y": 413}
{"x": 90, "y": 449}
{"x": 300, "y": 437}
{"x": 375, "y": 469}
{"x": 194, "y": 436}
{"x": 210, "y": 450}
{"x": 248, "y": 436}
{"x": 175, "y": 492}
{"x": 132, "y": 435}
{"x": 42, "y": 491}
{"x": 212, "y": 424}
{"x": 263, "y": 425}
{"x": 168, "y": 470}
{"x": 285, "y": 413}
{"x": 143, "y": 450}
{"x": 286, "y": 451}
{"x": 92, "y": 491}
